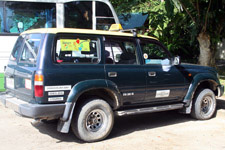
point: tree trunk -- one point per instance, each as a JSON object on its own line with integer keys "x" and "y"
{"x": 205, "y": 53}
{"x": 213, "y": 55}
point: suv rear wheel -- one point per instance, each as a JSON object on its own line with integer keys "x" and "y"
{"x": 93, "y": 121}
{"x": 204, "y": 105}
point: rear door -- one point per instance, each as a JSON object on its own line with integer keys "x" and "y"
{"x": 123, "y": 68}
{"x": 26, "y": 67}
{"x": 12, "y": 63}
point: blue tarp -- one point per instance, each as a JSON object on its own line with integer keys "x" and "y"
{"x": 132, "y": 20}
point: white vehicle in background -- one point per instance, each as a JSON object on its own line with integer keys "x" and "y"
{"x": 17, "y": 16}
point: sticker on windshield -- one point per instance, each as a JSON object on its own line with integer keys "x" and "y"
{"x": 153, "y": 61}
{"x": 145, "y": 56}
{"x": 75, "y": 45}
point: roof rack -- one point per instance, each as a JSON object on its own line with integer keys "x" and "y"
{"x": 134, "y": 31}
{"x": 118, "y": 27}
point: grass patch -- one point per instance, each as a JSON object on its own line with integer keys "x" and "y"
{"x": 2, "y": 89}
{"x": 222, "y": 82}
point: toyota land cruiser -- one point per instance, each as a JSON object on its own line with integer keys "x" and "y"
{"x": 85, "y": 77}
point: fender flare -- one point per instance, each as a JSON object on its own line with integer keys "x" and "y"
{"x": 87, "y": 85}
{"x": 197, "y": 80}
{"x": 76, "y": 92}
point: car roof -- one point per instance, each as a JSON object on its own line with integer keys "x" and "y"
{"x": 83, "y": 31}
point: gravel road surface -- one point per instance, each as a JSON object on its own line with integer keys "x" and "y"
{"x": 157, "y": 131}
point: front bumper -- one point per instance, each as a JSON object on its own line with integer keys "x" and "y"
{"x": 220, "y": 89}
{"x": 37, "y": 111}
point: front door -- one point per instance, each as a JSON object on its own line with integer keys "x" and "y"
{"x": 164, "y": 81}
{"x": 123, "y": 68}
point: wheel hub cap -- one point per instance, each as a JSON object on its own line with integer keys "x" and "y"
{"x": 94, "y": 121}
{"x": 206, "y": 104}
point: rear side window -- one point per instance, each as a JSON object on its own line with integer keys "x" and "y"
{"x": 77, "y": 50}
{"x": 30, "y": 48}
{"x": 121, "y": 51}
{"x": 17, "y": 48}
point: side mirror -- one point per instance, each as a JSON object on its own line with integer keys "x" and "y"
{"x": 176, "y": 60}
{"x": 166, "y": 65}
{"x": 166, "y": 62}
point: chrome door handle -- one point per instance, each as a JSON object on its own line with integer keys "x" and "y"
{"x": 112, "y": 74}
{"x": 151, "y": 74}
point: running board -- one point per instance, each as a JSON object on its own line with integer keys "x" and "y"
{"x": 149, "y": 109}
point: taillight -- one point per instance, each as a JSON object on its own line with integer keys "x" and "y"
{"x": 39, "y": 85}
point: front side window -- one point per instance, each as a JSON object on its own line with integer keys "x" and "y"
{"x": 78, "y": 14}
{"x": 31, "y": 47}
{"x": 77, "y": 50}
{"x": 16, "y": 17}
{"x": 153, "y": 53}
{"x": 17, "y": 48}
{"x": 121, "y": 52}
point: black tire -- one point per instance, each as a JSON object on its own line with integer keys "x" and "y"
{"x": 93, "y": 121}
{"x": 204, "y": 105}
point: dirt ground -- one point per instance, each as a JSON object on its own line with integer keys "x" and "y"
{"x": 157, "y": 131}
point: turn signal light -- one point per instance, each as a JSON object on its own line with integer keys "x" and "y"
{"x": 39, "y": 85}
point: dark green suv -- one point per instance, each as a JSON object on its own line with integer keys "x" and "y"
{"x": 84, "y": 77}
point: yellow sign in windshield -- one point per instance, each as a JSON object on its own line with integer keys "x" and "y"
{"x": 75, "y": 45}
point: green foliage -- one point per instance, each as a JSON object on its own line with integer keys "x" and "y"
{"x": 177, "y": 23}
{"x": 167, "y": 24}
{"x": 2, "y": 82}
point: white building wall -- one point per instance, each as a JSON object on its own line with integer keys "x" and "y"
{"x": 6, "y": 46}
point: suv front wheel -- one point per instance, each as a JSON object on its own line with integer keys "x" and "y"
{"x": 93, "y": 121}
{"x": 204, "y": 105}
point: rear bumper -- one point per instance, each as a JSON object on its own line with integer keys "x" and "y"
{"x": 220, "y": 90}
{"x": 33, "y": 110}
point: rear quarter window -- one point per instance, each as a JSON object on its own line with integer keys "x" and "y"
{"x": 30, "y": 48}
{"x": 17, "y": 48}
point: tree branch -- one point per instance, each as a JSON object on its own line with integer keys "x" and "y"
{"x": 193, "y": 4}
{"x": 187, "y": 12}
{"x": 206, "y": 17}
{"x": 198, "y": 10}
